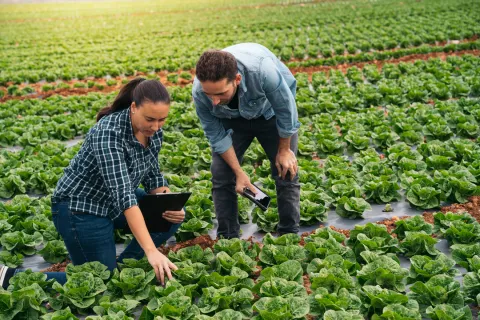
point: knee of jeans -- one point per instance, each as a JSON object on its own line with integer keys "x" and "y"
{"x": 222, "y": 178}
{"x": 174, "y": 228}
{"x": 287, "y": 182}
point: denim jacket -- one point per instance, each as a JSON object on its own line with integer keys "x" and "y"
{"x": 267, "y": 89}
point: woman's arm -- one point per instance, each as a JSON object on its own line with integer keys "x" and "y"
{"x": 107, "y": 145}
{"x": 160, "y": 263}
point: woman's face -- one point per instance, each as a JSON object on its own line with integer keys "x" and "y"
{"x": 149, "y": 117}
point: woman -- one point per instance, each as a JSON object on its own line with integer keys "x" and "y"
{"x": 99, "y": 189}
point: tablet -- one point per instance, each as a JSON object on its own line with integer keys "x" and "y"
{"x": 261, "y": 199}
{"x": 154, "y": 205}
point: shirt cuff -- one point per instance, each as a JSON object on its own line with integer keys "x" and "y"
{"x": 284, "y": 133}
{"x": 126, "y": 200}
{"x": 223, "y": 145}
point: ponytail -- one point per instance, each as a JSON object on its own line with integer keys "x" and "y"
{"x": 137, "y": 90}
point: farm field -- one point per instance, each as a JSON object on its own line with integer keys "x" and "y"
{"x": 388, "y": 95}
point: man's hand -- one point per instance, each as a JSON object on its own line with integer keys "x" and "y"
{"x": 243, "y": 181}
{"x": 286, "y": 162}
{"x": 174, "y": 216}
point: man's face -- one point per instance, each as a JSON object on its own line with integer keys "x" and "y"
{"x": 221, "y": 92}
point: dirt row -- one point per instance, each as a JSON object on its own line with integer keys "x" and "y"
{"x": 436, "y": 44}
{"x": 100, "y": 86}
{"x": 379, "y": 63}
{"x": 183, "y": 82}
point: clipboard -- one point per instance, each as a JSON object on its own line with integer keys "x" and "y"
{"x": 154, "y": 205}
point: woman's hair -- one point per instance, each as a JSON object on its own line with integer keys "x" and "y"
{"x": 138, "y": 90}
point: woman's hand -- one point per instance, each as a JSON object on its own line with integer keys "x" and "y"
{"x": 161, "y": 265}
{"x": 174, "y": 216}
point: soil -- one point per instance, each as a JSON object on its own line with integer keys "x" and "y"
{"x": 390, "y": 223}
{"x": 346, "y": 232}
{"x": 428, "y": 217}
{"x": 306, "y": 234}
{"x": 256, "y": 273}
{"x": 472, "y": 207}
{"x": 203, "y": 241}
{"x": 57, "y": 267}
{"x": 307, "y": 283}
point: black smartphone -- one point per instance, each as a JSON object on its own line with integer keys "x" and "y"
{"x": 260, "y": 199}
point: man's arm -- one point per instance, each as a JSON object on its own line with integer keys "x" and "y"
{"x": 281, "y": 98}
{"x": 221, "y": 142}
{"x": 283, "y": 103}
{"x": 219, "y": 138}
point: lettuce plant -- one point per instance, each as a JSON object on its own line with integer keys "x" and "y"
{"x": 81, "y": 292}
{"x": 419, "y": 243}
{"x": 193, "y": 253}
{"x": 213, "y": 300}
{"x": 321, "y": 301}
{"x": 383, "y": 271}
{"x": 237, "y": 278}
{"x": 423, "y": 268}
{"x": 54, "y": 251}
{"x": 24, "y": 303}
{"x": 416, "y": 223}
{"x": 96, "y": 268}
{"x": 439, "y": 289}
{"x": 130, "y": 284}
{"x": 281, "y": 308}
{"x": 375, "y": 299}
{"x": 225, "y": 263}
{"x": 273, "y": 254}
{"x": 352, "y": 208}
{"x": 446, "y": 311}
{"x": 464, "y": 254}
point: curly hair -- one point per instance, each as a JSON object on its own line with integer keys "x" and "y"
{"x": 216, "y": 65}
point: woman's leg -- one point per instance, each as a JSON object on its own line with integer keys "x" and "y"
{"x": 87, "y": 238}
{"x": 133, "y": 250}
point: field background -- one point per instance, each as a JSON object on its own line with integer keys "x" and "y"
{"x": 388, "y": 97}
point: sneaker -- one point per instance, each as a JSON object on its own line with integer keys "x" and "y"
{"x": 5, "y": 274}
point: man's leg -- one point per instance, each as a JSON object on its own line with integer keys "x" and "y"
{"x": 288, "y": 191}
{"x": 223, "y": 180}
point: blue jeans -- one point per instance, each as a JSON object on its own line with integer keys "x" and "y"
{"x": 91, "y": 238}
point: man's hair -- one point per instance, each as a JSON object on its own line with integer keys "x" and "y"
{"x": 216, "y": 65}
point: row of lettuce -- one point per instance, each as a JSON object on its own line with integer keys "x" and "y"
{"x": 424, "y": 100}
{"x": 325, "y": 275}
{"x": 325, "y": 31}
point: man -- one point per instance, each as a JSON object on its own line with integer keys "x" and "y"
{"x": 241, "y": 93}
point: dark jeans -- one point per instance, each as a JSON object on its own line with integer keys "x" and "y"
{"x": 91, "y": 238}
{"x": 223, "y": 178}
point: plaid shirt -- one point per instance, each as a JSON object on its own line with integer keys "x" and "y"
{"x": 102, "y": 178}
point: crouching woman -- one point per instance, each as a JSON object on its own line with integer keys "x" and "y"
{"x": 99, "y": 191}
